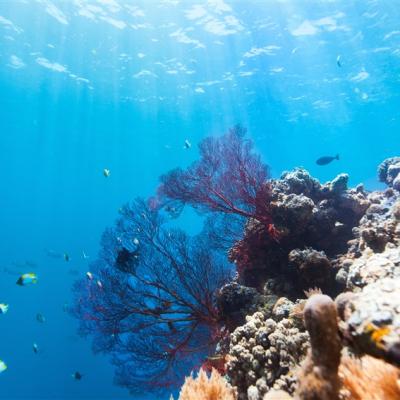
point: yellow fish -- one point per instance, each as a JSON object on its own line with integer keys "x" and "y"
{"x": 27, "y": 279}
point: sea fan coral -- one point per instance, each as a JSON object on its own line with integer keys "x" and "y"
{"x": 203, "y": 387}
{"x": 155, "y": 304}
{"x": 229, "y": 179}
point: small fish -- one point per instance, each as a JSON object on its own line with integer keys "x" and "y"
{"x": 136, "y": 241}
{"x": 339, "y": 61}
{"x": 77, "y": 376}
{"x": 40, "y": 318}
{"x": 27, "y": 279}
{"x": 187, "y": 144}
{"x": 327, "y": 159}
{"x": 89, "y": 275}
{"x": 84, "y": 255}
{"x": 35, "y": 348}
{"x": 106, "y": 172}
{"x": 99, "y": 284}
{"x": 3, "y": 308}
{"x": 3, "y": 366}
{"x": 66, "y": 257}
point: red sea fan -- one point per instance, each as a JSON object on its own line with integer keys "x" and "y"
{"x": 155, "y": 310}
{"x": 229, "y": 178}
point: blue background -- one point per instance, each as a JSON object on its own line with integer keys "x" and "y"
{"x": 87, "y": 85}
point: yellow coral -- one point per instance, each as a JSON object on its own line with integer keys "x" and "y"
{"x": 203, "y": 387}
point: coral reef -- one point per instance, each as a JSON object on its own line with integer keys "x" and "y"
{"x": 345, "y": 242}
{"x": 389, "y": 172}
{"x": 325, "y": 375}
{"x": 314, "y": 223}
{"x": 262, "y": 353}
{"x": 371, "y": 320}
{"x": 311, "y": 265}
{"x": 203, "y": 387}
{"x": 171, "y": 302}
{"x": 236, "y": 301}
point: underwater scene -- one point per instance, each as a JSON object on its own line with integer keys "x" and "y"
{"x": 200, "y": 199}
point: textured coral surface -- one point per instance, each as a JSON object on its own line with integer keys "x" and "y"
{"x": 344, "y": 242}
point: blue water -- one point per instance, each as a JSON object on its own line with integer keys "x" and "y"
{"x": 87, "y": 85}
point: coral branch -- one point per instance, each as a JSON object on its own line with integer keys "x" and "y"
{"x": 156, "y": 303}
{"x": 229, "y": 178}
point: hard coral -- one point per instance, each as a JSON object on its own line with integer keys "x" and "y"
{"x": 313, "y": 267}
{"x": 318, "y": 379}
{"x": 388, "y": 170}
{"x": 327, "y": 376}
{"x": 203, "y": 387}
{"x": 235, "y": 301}
{"x": 262, "y": 354}
{"x": 379, "y": 225}
{"x": 371, "y": 320}
{"x": 309, "y": 217}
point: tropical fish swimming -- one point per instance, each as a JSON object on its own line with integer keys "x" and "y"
{"x": 106, "y": 172}
{"x": 187, "y": 144}
{"x": 77, "y": 376}
{"x": 40, "y": 318}
{"x": 3, "y": 366}
{"x": 66, "y": 257}
{"x": 27, "y": 279}
{"x": 327, "y": 159}
{"x": 89, "y": 275}
{"x": 3, "y": 308}
{"x": 35, "y": 348}
{"x": 339, "y": 60}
